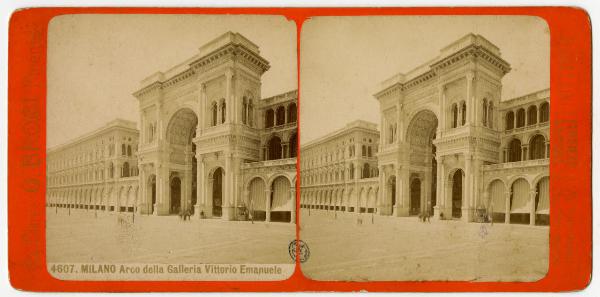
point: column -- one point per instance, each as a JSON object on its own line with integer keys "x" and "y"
{"x": 532, "y": 195}
{"x": 442, "y": 105}
{"x": 381, "y": 193}
{"x": 439, "y": 196}
{"x": 142, "y": 202}
{"x": 228, "y": 211}
{"x": 471, "y": 118}
{"x": 268, "y": 204}
{"x": 399, "y": 207}
{"x": 202, "y": 110}
{"x": 547, "y": 149}
{"x": 228, "y": 95}
{"x": 293, "y": 198}
{"x": 467, "y": 190}
{"x": 524, "y": 152}
{"x": 507, "y": 207}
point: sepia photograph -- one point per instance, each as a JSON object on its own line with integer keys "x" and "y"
{"x": 424, "y": 148}
{"x": 171, "y": 147}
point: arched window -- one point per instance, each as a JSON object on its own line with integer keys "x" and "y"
{"x": 484, "y": 118}
{"x": 123, "y": 149}
{"x": 223, "y": 111}
{"x": 269, "y": 118}
{"x": 250, "y": 114}
{"x": 537, "y": 147}
{"x": 491, "y": 115}
{"x": 275, "y": 148}
{"x": 125, "y": 170}
{"x": 292, "y": 113}
{"x": 464, "y": 113}
{"x": 214, "y": 114}
{"x": 514, "y": 151}
{"x": 351, "y": 171}
{"x": 520, "y": 117}
{"x": 364, "y": 151}
{"x": 454, "y": 115}
{"x": 280, "y": 115}
{"x": 366, "y": 171}
{"x": 244, "y": 110}
{"x": 129, "y": 150}
{"x": 532, "y": 115}
{"x": 510, "y": 120}
{"x": 544, "y": 112}
{"x": 293, "y": 145}
{"x": 369, "y": 152}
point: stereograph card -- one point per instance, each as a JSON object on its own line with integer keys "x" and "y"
{"x": 263, "y": 149}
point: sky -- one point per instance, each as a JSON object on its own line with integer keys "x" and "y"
{"x": 343, "y": 60}
{"x": 96, "y": 62}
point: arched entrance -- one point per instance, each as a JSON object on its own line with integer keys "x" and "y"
{"x": 497, "y": 205}
{"x": 217, "y": 193}
{"x": 180, "y": 132}
{"x": 280, "y": 204}
{"x": 542, "y": 202}
{"x": 175, "y": 201}
{"x": 256, "y": 203}
{"x": 520, "y": 204}
{"x": 415, "y": 196}
{"x": 420, "y": 135}
{"x": 457, "y": 193}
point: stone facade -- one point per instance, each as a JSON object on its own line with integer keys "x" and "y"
{"x": 95, "y": 171}
{"x": 447, "y": 146}
{"x": 203, "y": 123}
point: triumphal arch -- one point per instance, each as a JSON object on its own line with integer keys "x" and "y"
{"x": 201, "y": 122}
{"x": 439, "y": 129}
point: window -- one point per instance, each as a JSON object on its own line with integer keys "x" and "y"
{"x": 274, "y": 148}
{"x": 485, "y": 112}
{"x": 454, "y": 115}
{"x": 537, "y": 147}
{"x": 223, "y": 111}
{"x": 250, "y": 114}
{"x": 351, "y": 171}
{"x": 123, "y": 149}
{"x": 369, "y": 152}
{"x": 293, "y": 145}
{"x": 464, "y": 113}
{"x": 532, "y": 115}
{"x": 292, "y": 113}
{"x": 366, "y": 171}
{"x": 125, "y": 170}
{"x": 244, "y": 110}
{"x": 129, "y": 150}
{"x": 544, "y": 112}
{"x": 269, "y": 118}
{"x": 364, "y": 151}
{"x": 280, "y": 115}
{"x": 514, "y": 151}
{"x": 491, "y": 115}
{"x": 520, "y": 118}
{"x": 214, "y": 114}
{"x": 510, "y": 120}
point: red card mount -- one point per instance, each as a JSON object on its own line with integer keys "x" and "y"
{"x": 570, "y": 188}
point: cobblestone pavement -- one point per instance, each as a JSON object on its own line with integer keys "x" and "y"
{"x": 84, "y": 237}
{"x": 391, "y": 248}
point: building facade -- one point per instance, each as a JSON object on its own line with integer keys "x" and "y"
{"x": 450, "y": 148}
{"x": 208, "y": 145}
{"x": 95, "y": 171}
{"x": 204, "y": 125}
{"x": 339, "y": 170}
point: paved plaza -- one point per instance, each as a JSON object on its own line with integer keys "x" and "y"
{"x": 392, "y": 248}
{"x": 81, "y": 237}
